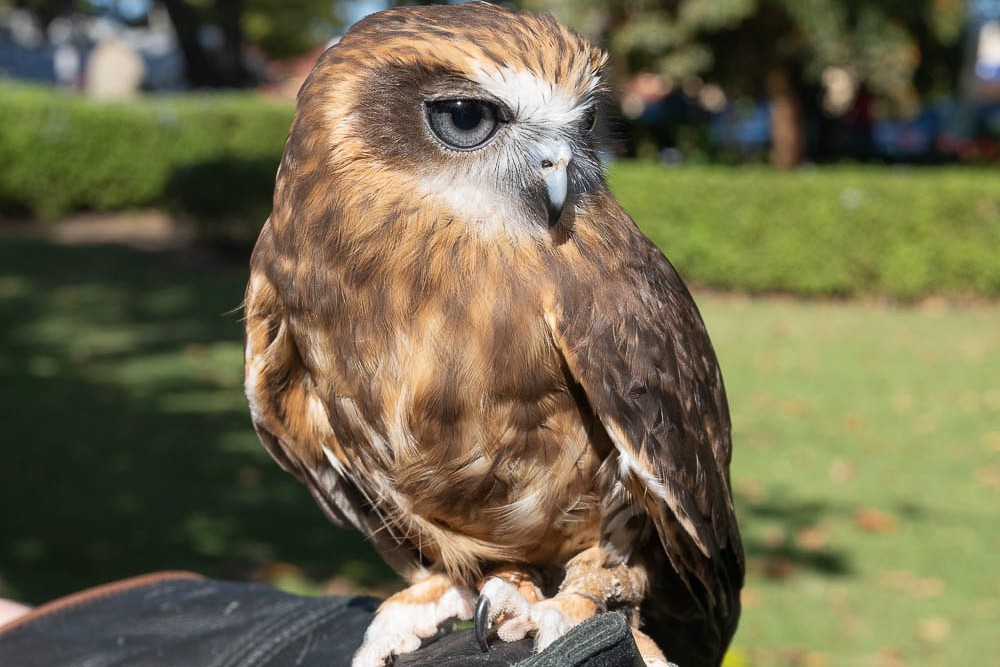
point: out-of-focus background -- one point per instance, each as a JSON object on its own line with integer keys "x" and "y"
{"x": 824, "y": 173}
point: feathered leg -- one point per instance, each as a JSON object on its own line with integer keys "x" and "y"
{"x": 410, "y": 616}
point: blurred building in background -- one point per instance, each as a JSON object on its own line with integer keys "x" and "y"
{"x": 57, "y": 52}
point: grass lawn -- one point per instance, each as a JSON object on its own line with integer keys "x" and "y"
{"x": 867, "y": 464}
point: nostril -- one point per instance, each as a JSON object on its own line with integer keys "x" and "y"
{"x": 547, "y": 164}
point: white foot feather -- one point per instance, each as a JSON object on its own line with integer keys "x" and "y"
{"x": 403, "y": 621}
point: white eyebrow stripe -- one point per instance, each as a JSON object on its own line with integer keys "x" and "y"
{"x": 532, "y": 98}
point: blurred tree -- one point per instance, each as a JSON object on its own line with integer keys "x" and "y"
{"x": 211, "y": 36}
{"x": 781, "y": 48}
{"x": 44, "y": 10}
{"x": 287, "y": 28}
{"x": 213, "y": 33}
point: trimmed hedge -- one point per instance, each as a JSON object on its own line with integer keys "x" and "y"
{"x": 206, "y": 154}
{"x": 847, "y": 231}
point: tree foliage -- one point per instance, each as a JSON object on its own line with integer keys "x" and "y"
{"x": 285, "y": 28}
{"x": 897, "y": 48}
{"x": 896, "y": 51}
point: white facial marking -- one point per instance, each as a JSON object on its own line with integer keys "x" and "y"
{"x": 473, "y": 196}
{"x": 486, "y": 189}
{"x": 533, "y": 99}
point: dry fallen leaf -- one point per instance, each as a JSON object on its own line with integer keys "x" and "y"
{"x": 911, "y": 583}
{"x": 875, "y": 520}
{"x": 774, "y": 536}
{"x": 779, "y": 567}
{"x": 792, "y": 408}
{"x": 929, "y": 587}
{"x": 854, "y": 423}
{"x": 811, "y": 538}
{"x": 934, "y": 630}
{"x": 988, "y": 476}
{"x": 749, "y": 597}
{"x": 841, "y": 470}
{"x": 901, "y": 403}
{"x": 890, "y": 656}
{"x": 766, "y": 363}
{"x": 750, "y": 489}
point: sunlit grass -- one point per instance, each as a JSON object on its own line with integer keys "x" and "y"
{"x": 867, "y": 470}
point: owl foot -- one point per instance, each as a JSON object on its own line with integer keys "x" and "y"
{"x": 650, "y": 652}
{"x": 511, "y": 607}
{"x": 502, "y": 611}
{"x": 410, "y": 616}
{"x": 505, "y": 611}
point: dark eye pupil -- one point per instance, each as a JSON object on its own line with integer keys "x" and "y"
{"x": 462, "y": 124}
{"x": 466, "y": 116}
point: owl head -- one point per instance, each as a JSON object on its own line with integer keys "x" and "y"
{"x": 470, "y": 114}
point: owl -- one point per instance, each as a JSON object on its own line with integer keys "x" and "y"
{"x": 463, "y": 346}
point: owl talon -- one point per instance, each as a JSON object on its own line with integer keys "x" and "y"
{"x": 483, "y": 623}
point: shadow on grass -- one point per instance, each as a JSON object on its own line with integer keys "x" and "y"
{"x": 781, "y": 555}
{"x": 128, "y": 446}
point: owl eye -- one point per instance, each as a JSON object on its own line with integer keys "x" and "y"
{"x": 463, "y": 124}
{"x": 590, "y": 119}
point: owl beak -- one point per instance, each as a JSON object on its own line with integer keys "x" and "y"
{"x": 554, "y": 165}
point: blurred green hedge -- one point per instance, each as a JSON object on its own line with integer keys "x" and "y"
{"x": 211, "y": 158}
{"x": 858, "y": 230}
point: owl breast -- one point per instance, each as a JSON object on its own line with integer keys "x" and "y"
{"x": 474, "y": 423}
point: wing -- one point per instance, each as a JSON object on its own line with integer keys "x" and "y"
{"x": 291, "y": 419}
{"x": 632, "y": 337}
{"x": 287, "y": 414}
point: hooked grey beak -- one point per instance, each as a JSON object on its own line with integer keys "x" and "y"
{"x": 554, "y": 163}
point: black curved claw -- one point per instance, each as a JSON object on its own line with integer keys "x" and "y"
{"x": 483, "y": 625}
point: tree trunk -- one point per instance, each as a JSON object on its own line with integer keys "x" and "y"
{"x": 788, "y": 134}
{"x": 230, "y": 16}
{"x": 222, "y": 68}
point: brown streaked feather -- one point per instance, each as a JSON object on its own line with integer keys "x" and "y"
{"x": 634, "y": 340}
{"x": 430, "y": 398}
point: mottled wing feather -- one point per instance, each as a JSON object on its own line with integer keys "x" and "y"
{"x": 287, "y": 414}
{"x": 637, "y": 345}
